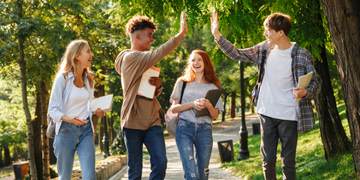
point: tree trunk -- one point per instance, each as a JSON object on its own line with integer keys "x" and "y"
{"x": 36, "y": 123}
{"x": 343, "y": 17}
{"x": 111, "y": 129}
{"x": 332, "y": 132}
{"x": 100, "y": 92}
{"x": 232, "y": 105}
{"x": 101, "y": 135}
{"x": 22, "y": 64}
{"x": 1, "y": 158}
{"x": 224, "y": 112}
{"x": 7, "y": 158}
{"x": 45, "y": 139}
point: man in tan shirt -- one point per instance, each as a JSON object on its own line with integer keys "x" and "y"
{"x": 140, "y": 119}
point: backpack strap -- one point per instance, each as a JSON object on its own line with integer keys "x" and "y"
{"x": 182, "y": 91}
{"x": 264, "y": 50}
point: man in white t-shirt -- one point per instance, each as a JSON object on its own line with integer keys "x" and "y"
{"x": 280, "y": 117}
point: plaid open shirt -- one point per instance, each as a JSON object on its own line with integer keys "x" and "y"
{"x": 302, "y": 64}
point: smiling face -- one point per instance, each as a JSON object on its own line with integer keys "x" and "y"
{"x": 85, "y": 57}
{"x": 196, "y": 63}
{"x": 272, "y": 36}
{"x": 144, "y": 39}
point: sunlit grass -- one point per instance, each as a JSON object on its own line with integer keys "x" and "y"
{"x": 4, "y": 174}
{"x": 310, "y": 158}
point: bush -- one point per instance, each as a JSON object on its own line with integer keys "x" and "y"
{"x": 53, "y": 174}
{"x": 118, "y": 146}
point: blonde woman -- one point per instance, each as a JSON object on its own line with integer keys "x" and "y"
{"x": 70, "y": 109}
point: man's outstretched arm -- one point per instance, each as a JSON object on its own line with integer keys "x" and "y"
{"x": 229, "y": 49}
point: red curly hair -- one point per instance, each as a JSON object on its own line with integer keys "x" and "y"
{"x": 209, "y": 72}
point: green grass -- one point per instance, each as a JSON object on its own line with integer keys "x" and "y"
{"x": 4, "y": 174}
{"x": 310, "y": 159}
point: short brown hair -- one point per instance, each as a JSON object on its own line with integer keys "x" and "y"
{"x": 139, "y": 23}
{"x": 278, "y": 21}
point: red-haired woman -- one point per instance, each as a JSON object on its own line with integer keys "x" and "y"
{"x": 200, "y": 77}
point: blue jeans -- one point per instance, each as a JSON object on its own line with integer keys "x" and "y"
{"x": 188, "y": 135}
{"x": 153, "y": 139}
{"x": 73, "y": 138}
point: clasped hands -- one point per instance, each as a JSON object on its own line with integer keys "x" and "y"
{"x": 77, "y": 121}
{"x": 202, "y": 103}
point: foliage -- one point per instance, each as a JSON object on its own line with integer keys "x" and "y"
{"x": 12, "y": 117}
{"x": 53, "y": 173}
{"x": 310, "y": 158}
{"x": 118, "y": 145}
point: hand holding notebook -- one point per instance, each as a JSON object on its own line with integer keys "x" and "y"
{"x": 304, "y": 82}
{"x": 213, "y": 96}
{"x": 103, "y": 102}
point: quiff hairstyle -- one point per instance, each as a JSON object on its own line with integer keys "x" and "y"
{"x": 139, "y": 23}
{"x": 278, "y": 21}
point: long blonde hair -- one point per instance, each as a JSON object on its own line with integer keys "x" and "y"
{"x": 69, "y": 62}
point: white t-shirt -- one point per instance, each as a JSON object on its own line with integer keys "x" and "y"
{"x": 77, "y": 104}
{"x": 276, "y": 97}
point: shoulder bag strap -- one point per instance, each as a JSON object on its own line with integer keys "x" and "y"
{"x": 182, "y": 91}
{"x": 265, "y": 48}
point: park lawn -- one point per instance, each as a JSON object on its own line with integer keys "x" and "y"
{"x": 310, "y": 158}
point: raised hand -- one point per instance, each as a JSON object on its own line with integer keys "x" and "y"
{"x": 183, "y": 24}
{"x": 215, "y": 25}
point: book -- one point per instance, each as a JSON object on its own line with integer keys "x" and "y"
{"x": 304, "y": 82}
{"x": 103, "y": 102}
{"x": 145, "y": 89}
{"x": 213, "y": 96}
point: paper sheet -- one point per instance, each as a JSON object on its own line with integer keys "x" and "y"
{"x": 103, "y": 102}
{"x": 145, "y": 88}
{"x": 304, "y": 82}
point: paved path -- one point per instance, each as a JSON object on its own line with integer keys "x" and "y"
{"x": 228, "y": 130}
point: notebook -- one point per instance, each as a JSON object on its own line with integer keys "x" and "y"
{"x": 103, "y": 102}
{"x": 213, "y": 96}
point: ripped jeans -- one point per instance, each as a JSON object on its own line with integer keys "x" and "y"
{"x": 188, "y": 135}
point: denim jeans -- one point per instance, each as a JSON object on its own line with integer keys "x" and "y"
{"x": 73, "y": 138}
{"x": 188, "y": 135}
{"x": 153, "y": 139}
{"x": 271, "y": 131}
